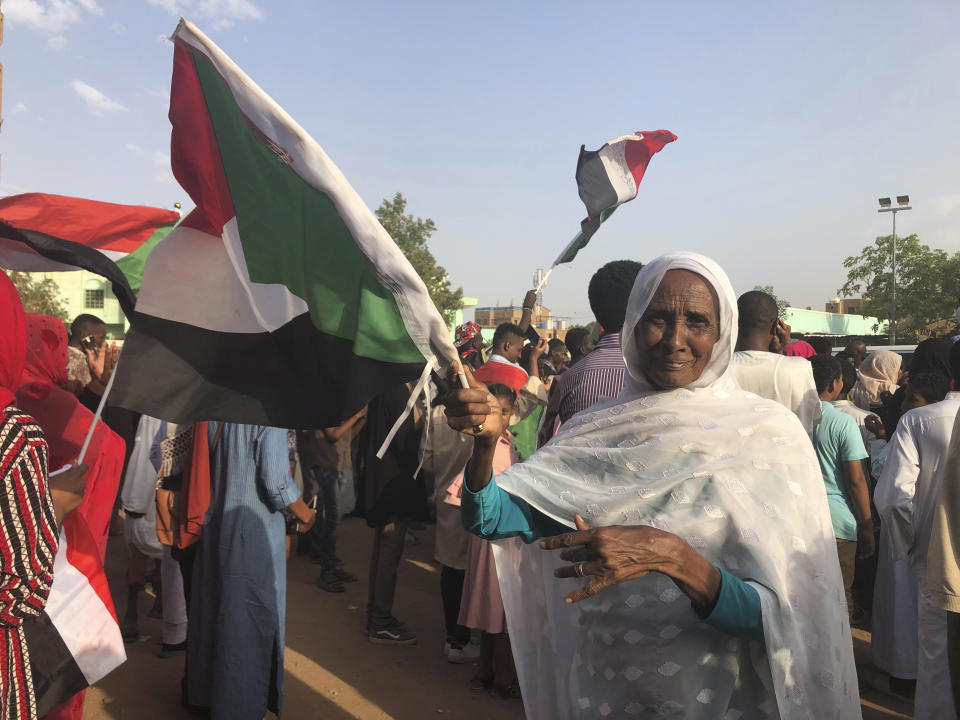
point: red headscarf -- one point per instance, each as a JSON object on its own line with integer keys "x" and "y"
{"x": 12, "y": 346}
{"x": 799, "y": 348}
{"x": 46, "y": 351}
{"x": 65, "y": 422}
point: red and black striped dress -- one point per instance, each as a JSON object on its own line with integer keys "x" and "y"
{"x": 28, "y": 546}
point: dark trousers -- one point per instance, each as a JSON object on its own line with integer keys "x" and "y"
{"x": 322, "y": 538}
{"x": 847, "y": 554}
{"x": 185, "y": 557}
{"x": 451, "y": 593}
{"x": 388, "y": 544}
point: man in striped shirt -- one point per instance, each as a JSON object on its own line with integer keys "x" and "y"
{"x": 599, "y": 374}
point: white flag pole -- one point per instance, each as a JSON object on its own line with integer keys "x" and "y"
{"x": 99, "y": 413}
{"x": 543, "y": 279}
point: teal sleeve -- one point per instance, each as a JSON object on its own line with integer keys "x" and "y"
{"x": 494, "y": 514}
{"x": 737, "y": 610}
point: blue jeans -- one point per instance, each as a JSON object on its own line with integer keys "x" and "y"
{"x": 323, "y": 535}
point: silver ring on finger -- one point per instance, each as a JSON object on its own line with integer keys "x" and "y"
{"x": 579, "y": 569}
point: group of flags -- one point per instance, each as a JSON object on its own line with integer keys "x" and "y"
{"x": 279, "y": 300}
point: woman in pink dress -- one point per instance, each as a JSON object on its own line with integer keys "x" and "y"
{"x": 482, "y": 605}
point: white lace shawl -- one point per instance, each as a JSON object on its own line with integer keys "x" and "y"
{"x": 734, "y": 475}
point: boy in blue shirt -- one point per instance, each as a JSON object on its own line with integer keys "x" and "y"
{"x": 840, "y": 450}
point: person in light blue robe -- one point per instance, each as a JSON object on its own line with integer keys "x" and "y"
{"x": 236, "y": 633}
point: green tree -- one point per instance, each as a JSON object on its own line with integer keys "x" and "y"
{"x": 782, "y": 305}
{"x": 411, "y": 234}
{"x": 39, "y": 295}
{"x": 927, "y": 282}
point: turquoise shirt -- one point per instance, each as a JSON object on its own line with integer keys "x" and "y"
{"x": 837, "y": 440}
{"x": 494, "y": 514}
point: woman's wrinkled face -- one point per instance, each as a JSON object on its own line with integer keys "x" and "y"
{"x": 676, "y": 335}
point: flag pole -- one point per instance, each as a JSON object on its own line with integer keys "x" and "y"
{"x": 99, "y": 413}
{"x": 543, "y": 280}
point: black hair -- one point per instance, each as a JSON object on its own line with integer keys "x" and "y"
{"x": 577, "y": 337}
{"x": 609, "y": 292}
{"x": 757, "y": 311}
{"x": 505, "y": 330}
{"x": 854, "y": 342}
{"x": 849, "y": 374}
{"x": 931, "y": 386}
{"x": 555, "y": 344}
{"x": 822, "y": 345}
{"x": 499, "y": 390}
{"x": 82, "y": 325}
{"x": 826, "y": 369}
{"x": 845, "y": 357}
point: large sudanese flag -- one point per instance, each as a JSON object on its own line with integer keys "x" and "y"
{"x": 609, "y": 177}
{"x": 280, "y": 300}
{"x": 40, "y": 232}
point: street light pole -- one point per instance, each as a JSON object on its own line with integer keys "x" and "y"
{"x": 903, "y": 203}
{"x": 892, "y": 334}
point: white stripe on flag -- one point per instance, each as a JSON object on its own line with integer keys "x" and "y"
{"x": 613, "y": 157}
{"x": 190, "y": 279}
{"x": 309, "y": 161}
{"x": 85, "y": 624}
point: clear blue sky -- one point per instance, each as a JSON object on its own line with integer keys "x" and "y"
{"x": 793, "y": 118}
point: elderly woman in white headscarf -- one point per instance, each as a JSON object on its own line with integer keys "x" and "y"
{"x": 691, "y": 488}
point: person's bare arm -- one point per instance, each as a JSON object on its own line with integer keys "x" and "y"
{"x": 334, "y": 434}
{"x": 533, "y": 368}
{"x": 781, "y": 337}
{"x": 856, "y": 482}
{"x": 529, "y": 302}
{"x": 66, "y": 490}
{"x": 476, "y": 412}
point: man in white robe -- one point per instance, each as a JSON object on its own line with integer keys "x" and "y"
{"x": 760, "y": 367}
{"x": 905, "y": 497}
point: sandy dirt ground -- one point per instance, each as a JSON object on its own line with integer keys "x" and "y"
{"x": 332, "y": 672}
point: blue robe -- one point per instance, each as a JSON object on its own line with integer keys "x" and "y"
{"x": 235, "y": 643}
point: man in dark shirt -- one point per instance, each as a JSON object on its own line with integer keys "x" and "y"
{"x": 320, "y": 459}
{"x": 599, "y": 374}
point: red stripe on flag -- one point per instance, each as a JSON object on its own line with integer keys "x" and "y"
{"x": 83, "y": 554}
{"x": 100, "y": 225}
{"x": 194, "y": 151}
{"x": 637, "y": 153}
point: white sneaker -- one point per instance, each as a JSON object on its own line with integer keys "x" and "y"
{"x": 461, "y": 655}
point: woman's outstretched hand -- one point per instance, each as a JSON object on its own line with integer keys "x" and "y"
{"x": 473, "y": 411}
{"x": 616, "y": 554}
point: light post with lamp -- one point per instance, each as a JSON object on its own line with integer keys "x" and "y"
{"x": 903, "y": 203}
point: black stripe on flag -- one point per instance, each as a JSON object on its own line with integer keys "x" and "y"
{"x": 182, "y": 373}
{"x": 76, "y": 255}
{"x": 56, "y": 675}
{"x": 593, "y": 183}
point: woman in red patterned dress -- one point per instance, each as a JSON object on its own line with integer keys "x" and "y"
{"x": 28, "y": 517}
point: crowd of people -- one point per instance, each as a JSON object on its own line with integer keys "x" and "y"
{"x": 677, "y": 512}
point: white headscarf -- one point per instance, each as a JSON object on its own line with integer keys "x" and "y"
{"x": 735, "y": 476}
{"x": 646, "y": 284}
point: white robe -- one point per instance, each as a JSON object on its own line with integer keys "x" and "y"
{"x": 786, "y": 380}
{"x": 893, "y": 622}
{"x": 905, "y": 498}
